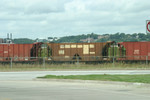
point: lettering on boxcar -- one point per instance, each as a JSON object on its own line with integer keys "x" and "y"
{"x": 62, "y": 46}
{"x": 85, "y": 49}
{"x": 149, "y": 54}
{"x": 67, "y": 57}
{"x": 61, "y": 52}
{"x": 5, "y": 51}
{"x": 92, "y": 52}
{"x": 136, "y": 51}
{"x": 79, "y": 46}
{"x": 67, "y": 46}
{"x": 73, "y": 46}
{"x": 91, "y": 45}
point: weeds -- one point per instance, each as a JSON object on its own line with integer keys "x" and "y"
{"x": 80, "y": 66}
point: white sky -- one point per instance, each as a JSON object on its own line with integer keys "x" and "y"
{"x": 56, "y": 18}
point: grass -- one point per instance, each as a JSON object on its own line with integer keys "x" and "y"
{"x": 80, "y": 66}
{"x": 105, "y": 77}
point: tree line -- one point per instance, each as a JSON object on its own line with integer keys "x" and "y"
{"x": 118, "y": 37}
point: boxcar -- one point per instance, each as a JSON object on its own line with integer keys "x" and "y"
{"x": 78, "y": 51}
{"x": 18, "y": 52}
{"x": 136, "y": 50}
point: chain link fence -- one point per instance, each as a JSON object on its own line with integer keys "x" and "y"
{"x": 78, "y": 61}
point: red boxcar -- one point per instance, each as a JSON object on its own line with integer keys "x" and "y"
{"x": 18, "y": 52}
{"x": 136, "y": 50}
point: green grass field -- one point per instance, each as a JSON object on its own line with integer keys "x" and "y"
{"x": 80, "y": 66}
{"x": 105, "y": 77}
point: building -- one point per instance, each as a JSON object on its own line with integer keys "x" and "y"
{"x": 1, "y": 40}
{"x": 87, "y": 40}
{"x": 102, "y": 36}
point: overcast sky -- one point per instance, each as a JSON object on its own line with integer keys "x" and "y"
{"x": 56, "y": 18}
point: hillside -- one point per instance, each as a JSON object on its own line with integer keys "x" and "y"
{"x": 118, "y": 37}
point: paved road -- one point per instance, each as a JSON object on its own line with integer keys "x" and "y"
{"x": 33, "y": 74}
{"x": 21, "y": 86}
{"x": 47, "y": 90}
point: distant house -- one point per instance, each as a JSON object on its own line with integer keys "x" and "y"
{"x": 83, "y": 40}
{"x": 88, "y": 40}
{"x": 5, "y": 40}
{"x": 41, "y": 40}
{"x": 102, "y": 36}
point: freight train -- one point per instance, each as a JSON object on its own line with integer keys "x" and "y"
{"x": 84, "y": 52}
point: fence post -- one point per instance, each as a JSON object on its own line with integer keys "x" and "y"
{"x": 113, "y": 61}
{"x": 146, "y": 60}
{"x": 11, "y": 63}
{"x": 44, "y": 62}
{"x": 77, "y": 62}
